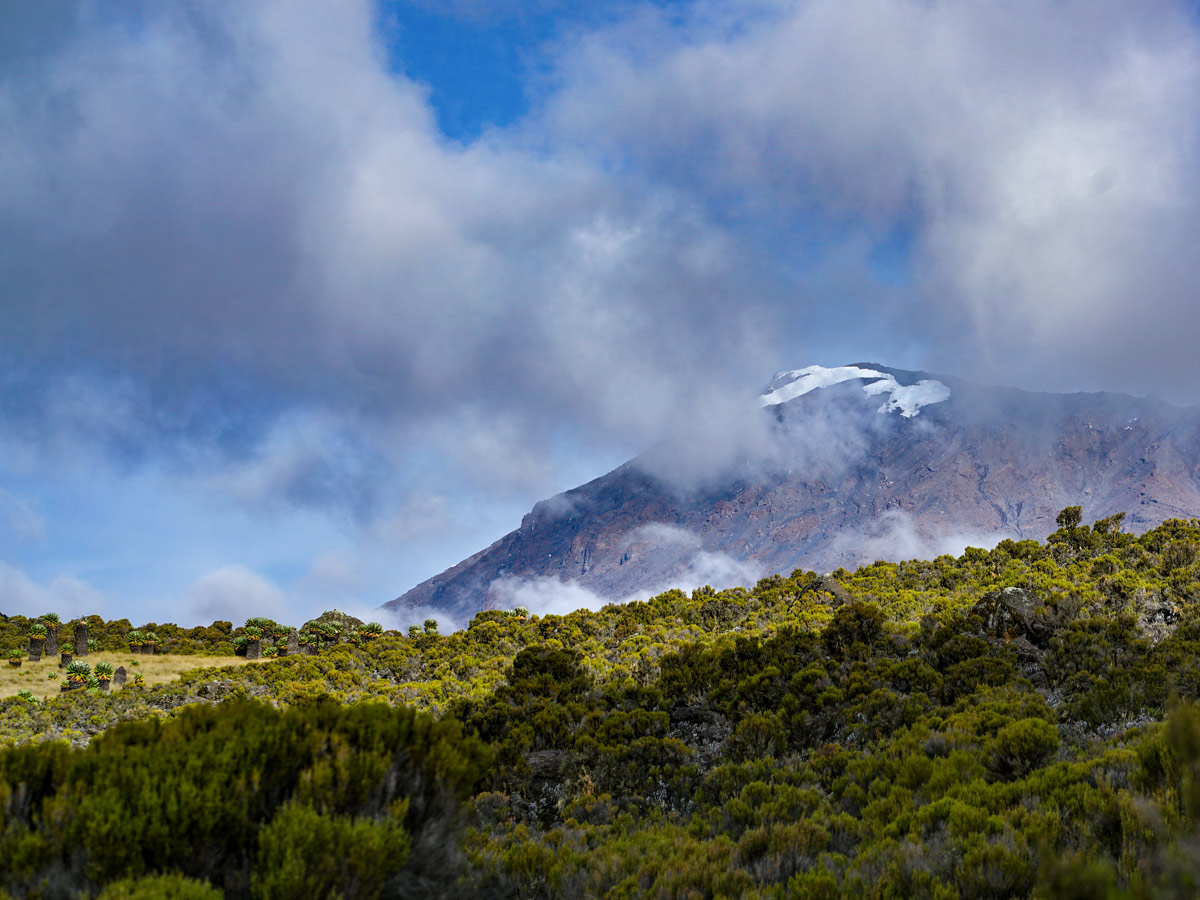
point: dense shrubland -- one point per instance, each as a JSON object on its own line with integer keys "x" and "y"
{"x": 1020, "y": 722}
{"x": 318, "y": 799}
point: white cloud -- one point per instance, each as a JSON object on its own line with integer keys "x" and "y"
{"x": 66, "y": 595}
{"x": 894, "y": 535}
{"x": 234, "y": 593}
{"x": 263, "y": 233}
{"x": 1044, "y": 160}
{"x": 543, "y": 595}
{"x": 697, "y": 566}
{"x": 720, "y": 570}
{"x": 549, "y": 595}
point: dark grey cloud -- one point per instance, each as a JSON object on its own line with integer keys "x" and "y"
{"x": 212, "y": 215}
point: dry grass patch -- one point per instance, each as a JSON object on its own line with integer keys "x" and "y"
{"x": 44, "y": 677}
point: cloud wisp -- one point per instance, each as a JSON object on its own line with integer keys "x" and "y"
{"x": 692, "y": 566}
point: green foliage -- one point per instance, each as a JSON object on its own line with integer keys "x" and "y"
{"x": 78, "y": 671}
{"x": 306, "y": 855}
{"x": 241, "y": 781}
{"x": 856, "y": 629}
{"x": 1075, "y": 877}
{"x": 160, "y": 887}
{"x": 1069, "y": 518}
{"x": 1021, "y": 747}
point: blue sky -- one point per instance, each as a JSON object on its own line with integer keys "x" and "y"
{"x": 302, "y": 304}
{"x": 477, "y": 70}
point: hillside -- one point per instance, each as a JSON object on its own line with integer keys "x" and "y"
{"x": 1013, "y": 723}
{"x": 857, "y": 464}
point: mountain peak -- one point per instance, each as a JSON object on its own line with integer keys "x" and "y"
{"x": 831, "y": 483}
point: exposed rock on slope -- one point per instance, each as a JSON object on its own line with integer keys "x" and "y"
{"x": 863, "y": 462}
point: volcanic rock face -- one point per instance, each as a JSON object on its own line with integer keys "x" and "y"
{"x": 860, "y": 463}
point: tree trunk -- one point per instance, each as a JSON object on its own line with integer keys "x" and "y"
{"x": 51, "y": 649}
{"x": 35, "y": 649}
{"x": 81, "y": 639}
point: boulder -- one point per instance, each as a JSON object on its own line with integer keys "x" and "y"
{"x": 216, "y": 691}
{"x": 830, "y": 585}
{"x": 1157, "y": 620}
{"x": 119, "y": 677}
{"x": 549, "y": 765}
{"x": 704, "y": 730}
{"x": 1014, "y": 613}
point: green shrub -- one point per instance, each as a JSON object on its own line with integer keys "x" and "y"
{"x": 304, "y": 855}
{"x": 160, "y": 887}
{"x": 1021, "y": 747}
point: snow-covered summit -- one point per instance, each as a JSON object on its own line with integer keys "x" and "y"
{"x": 907, "y": 398}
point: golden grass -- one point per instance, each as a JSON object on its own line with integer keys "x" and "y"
{"x": 39, "y": 677}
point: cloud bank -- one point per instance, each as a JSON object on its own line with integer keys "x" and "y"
{"x": 1038, "y": 163}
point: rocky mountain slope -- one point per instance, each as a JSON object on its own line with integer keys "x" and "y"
{"x": 857, "y": 463}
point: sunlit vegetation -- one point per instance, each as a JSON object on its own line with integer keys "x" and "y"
{"x": 1013, "y": 723}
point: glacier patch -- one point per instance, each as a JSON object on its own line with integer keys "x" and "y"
{"x": 907, "y": 398}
